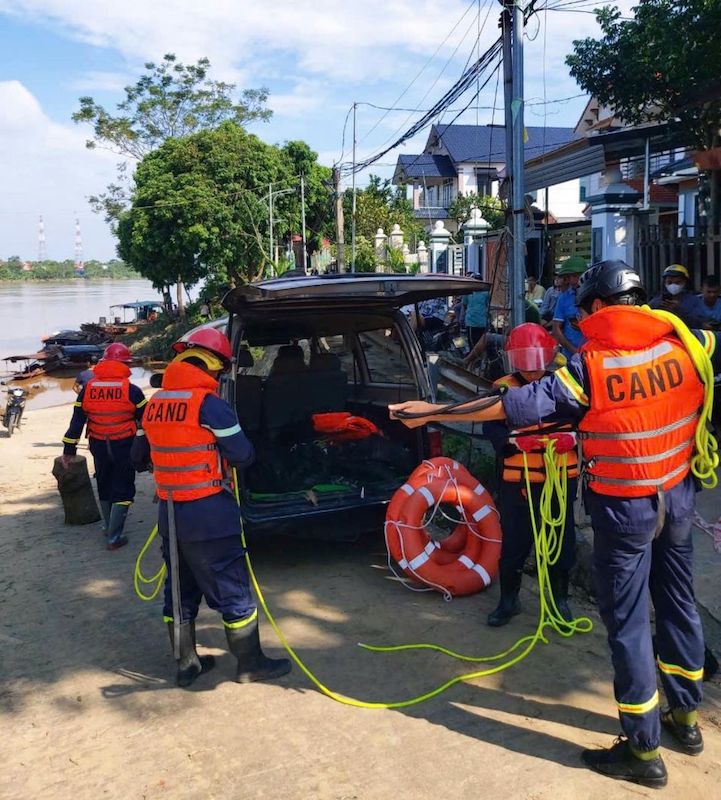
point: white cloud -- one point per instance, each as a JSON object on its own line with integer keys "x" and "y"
{"x": 48, "y": 171}
{"x": 100, "y": 81}
{"x": 317, "y": 57}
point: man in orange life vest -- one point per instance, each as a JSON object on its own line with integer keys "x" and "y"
{"x": 112, "y": 408}
{"x": 635, "y": 395}
{"x": 529, "y": 350}
{"x": 191, "y": 436}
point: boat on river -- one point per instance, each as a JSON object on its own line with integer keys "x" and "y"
{"x": 126, "y": 318}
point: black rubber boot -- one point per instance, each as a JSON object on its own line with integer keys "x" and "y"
{"x": 253, "y": 664}
{"x": 688, "y": 737}
{"x": 620, "y": 763}
{"x": 559, "y": 587}
{"x": 509, "y": 604}
{"x": 190, "y": 664}
{"x": 116, "y": 524}
{"x": 105, "y": 507}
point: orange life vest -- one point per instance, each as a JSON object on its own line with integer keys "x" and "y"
{"x": 513, "y": 469}
{"x": 107, "y": 403}
{"x": 185, "y": 455}
{"x": 645, "y": 394}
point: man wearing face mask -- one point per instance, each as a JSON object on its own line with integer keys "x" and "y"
{"x": 677, "y": 297}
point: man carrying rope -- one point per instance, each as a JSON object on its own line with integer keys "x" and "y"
{"x": 640, "y": 393}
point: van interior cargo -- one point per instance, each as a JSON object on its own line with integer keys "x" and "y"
{"x": 355, "y": 363}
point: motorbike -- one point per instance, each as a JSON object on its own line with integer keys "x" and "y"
{"x": 14, "y": 408}
{"x": 449, "y": 339}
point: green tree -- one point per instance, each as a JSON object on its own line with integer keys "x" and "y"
{"x": 170, "y": 100}
{"x": 298, "y": 159}
{"x": 379, "y": 205}
{"x": 491, "y": 208}
{"x": 663, "y": 65}
{"x": 200, "y": 208}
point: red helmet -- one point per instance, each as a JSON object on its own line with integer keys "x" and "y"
{"x": 117, "y": 352}
{"x": 209, "y": 339}
{"x": 529, "y": 348}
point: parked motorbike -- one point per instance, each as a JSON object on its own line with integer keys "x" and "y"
{"x": 14, "y": 408}
{"x": 449, "y": 339}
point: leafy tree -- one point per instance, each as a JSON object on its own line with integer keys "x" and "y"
{"x": 200, "y": 207}
{"x": 663, "y": 65}
{"x": 378, "y": 205}
{"x": 171, "y": 100}
{"x": 491, "y": 208}
{"x": 365, "y": 255}
{"x": 299, "y": 159}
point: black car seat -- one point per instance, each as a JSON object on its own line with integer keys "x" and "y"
{"x": 329, "y": 388}
{"x": 287, "y": 390}
{"x": 248, "y": 394}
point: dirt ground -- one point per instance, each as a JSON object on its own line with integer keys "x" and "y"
{"x": 89, "y": 710}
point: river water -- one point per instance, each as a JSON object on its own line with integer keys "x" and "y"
{"x": 30, "y": 310}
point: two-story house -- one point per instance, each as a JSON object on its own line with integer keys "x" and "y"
{"x": 465, "y": 159}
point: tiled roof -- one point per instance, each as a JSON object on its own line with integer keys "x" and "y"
{"x": 426, "y": 166}
{"x": 488, "y": 142}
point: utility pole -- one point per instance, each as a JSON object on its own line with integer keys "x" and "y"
{"x": 352, "y": 246}
{"x": 512, "y": 24}
{"x": 507, "y": 103}
{"x": 302, "y": 221}
{"x": 339, "y": 222}
{"x": 270, "y": 227}
{"x": 518, "y": 311}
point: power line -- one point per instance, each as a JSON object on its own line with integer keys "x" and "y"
{"x": 433, "y": 85}
{"x": 453, "y": 94}
{"x": 421, "y": 71}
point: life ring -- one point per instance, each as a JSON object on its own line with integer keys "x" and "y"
{"x": 466, "y": 561}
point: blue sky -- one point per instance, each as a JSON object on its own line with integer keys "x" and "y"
{"x": 315, "y": 56}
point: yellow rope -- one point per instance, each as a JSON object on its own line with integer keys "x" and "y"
{"x": 705, "y": 459}
{"x": 138, "y": 576}
{"x": 548, "y": 540}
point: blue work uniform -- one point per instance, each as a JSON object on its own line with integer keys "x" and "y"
{"x": 210, "y": 553}
{"x": 629, "y": 559}
{"x": 114, "y": 473}
{"x": 566, "y": 312}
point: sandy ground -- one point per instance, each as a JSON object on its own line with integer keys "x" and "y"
{"x": 88, "y": 708}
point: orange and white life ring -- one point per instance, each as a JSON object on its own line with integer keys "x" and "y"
{"x": 466, "y": 561}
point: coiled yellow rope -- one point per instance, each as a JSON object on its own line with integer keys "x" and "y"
{"x": 548, "y": 539}
{"x": 705, "y": 459}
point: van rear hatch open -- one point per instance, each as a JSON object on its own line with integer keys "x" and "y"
{"x": 357, "y": 290}
{"x": 328, "y": 344}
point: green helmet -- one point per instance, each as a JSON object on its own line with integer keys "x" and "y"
{"x": 575, "y": 265}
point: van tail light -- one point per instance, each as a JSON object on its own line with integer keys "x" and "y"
{"x": 435, "y": 446}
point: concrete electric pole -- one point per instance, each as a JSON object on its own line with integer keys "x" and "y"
{"x": 512, "y": 25}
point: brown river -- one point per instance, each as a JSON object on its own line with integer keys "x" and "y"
{"x": 30, "y": 310}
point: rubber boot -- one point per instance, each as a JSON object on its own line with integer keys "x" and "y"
{"x": 116, "y": 523}
{"x": 253, "y": 664}
{"x": 105, "y": 507}
{"x": 509, "y": 604}
{"x": 559, "y": 587}
{"x": 190, "y": 664}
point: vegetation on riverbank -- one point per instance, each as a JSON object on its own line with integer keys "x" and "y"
{"x": 154, "y": 340}
{"x": 15, "y": 269}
